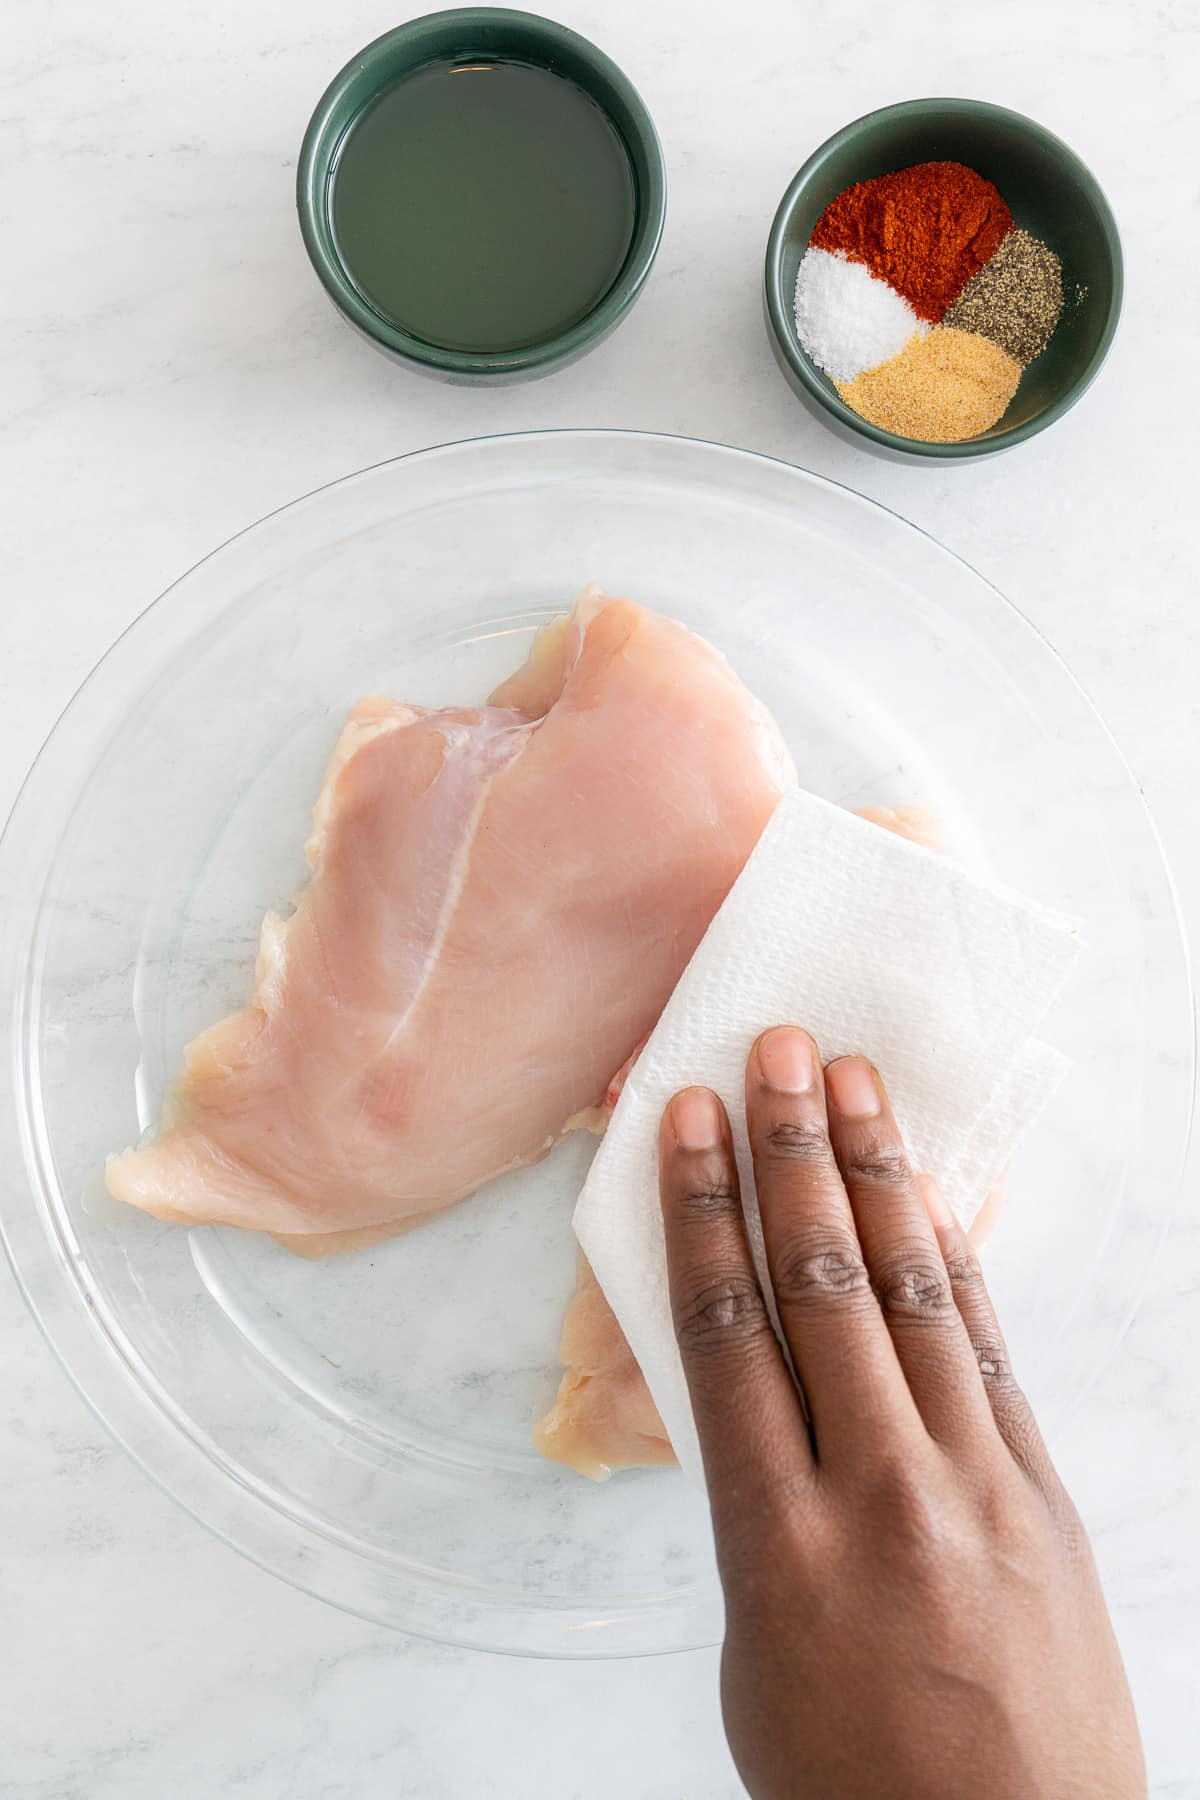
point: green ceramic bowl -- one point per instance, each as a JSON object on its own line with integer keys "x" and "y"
{"x": 1050, "y": 193}
{"x": 496, "y": 33}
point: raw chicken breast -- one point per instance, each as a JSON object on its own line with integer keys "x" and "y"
{"x": 603, "y": 1417}
{"x": 920, "y": 824}
{"x": 502, "y": 899}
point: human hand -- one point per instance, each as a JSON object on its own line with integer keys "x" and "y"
{"x": 912, "y": 1609}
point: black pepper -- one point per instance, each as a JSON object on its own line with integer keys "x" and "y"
{"x": 1015, "y": 300}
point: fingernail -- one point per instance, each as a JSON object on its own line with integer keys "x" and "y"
{"x": 935, "y": 1203}
{"x": 851, "y": 1083}
{"x": 696, "y": 1119}
{"x": 786, "y": 1061}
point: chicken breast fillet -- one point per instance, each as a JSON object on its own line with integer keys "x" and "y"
{"x": 502, "y": 899}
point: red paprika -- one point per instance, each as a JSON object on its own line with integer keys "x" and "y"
{"x": 926, "y": 230}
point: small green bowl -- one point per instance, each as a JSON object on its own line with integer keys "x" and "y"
{"x": 493, "y": 32}
{"x": 1050, "y": 193}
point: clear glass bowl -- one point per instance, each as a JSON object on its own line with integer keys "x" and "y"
{"x": 361, "y": 1426}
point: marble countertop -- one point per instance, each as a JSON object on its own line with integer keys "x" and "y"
{"x": 170, "y": 372}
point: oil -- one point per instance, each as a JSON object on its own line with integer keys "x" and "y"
{"x": 483, "y": 205}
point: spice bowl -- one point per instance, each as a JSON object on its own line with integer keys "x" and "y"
{"x": 1052, "y": 196}
{"x": 438, "y": 221}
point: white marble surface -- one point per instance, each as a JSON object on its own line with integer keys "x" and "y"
{"x": 169, "y": 371}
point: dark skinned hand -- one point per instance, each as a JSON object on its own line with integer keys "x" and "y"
{"x": 912, "y": 1608}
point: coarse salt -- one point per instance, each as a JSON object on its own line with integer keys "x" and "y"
{"x": 848, "y": 320}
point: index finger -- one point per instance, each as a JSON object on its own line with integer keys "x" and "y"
{"x": 747, "y": 1410}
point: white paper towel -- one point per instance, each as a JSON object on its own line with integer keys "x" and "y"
{"x": 875, "y": 945}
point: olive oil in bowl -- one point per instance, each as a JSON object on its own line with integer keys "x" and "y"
{"x": 482, "y": 205}
{"x": 482, "y": 193}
